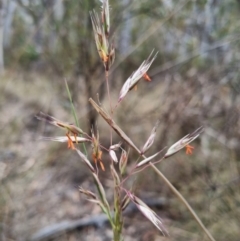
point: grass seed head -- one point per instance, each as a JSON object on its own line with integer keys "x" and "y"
{"x": 96, "y": 150}
{"x": 147, "y": 160}
{"x": 74, "y": 139}
{"x": 148, "y": 213}
{"x": 101, "y": 31}
{"x": 123, "y": 161}
{"x": 136, "y": 76}
{"x": 106, "y": 16}
{"x": 113, "y": 156}
{"x": 185, "y": 141}
{"x": 151, "y": 138}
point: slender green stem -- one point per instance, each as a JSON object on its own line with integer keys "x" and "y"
{"x": 74, "y": 113}
{"x": 117, "y": 232}
{"x": 104, "y": 203}
{"x": 118, "y": 220}
{"x": 106, "y": 211}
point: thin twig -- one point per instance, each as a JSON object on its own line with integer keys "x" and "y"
{"x": 109, "y": 100}
{"x": 74, "y": 112}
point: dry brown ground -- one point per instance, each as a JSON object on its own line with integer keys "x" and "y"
{"x": 40, "y": 180}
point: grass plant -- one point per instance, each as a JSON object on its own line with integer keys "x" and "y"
{"x": 118, "y": 166}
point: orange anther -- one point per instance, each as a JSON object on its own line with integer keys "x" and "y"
{"x": 189, "y": 149}
{"x": 146, "y": 77}
{"x": 70, "y": 142}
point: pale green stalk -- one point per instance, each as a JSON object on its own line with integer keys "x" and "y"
{"x": 118, "y": 219}
{"x": 105, "y": 206}
{"x": 74, "y": 112}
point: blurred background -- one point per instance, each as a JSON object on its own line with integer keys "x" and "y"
{"x": 195, "y": 82}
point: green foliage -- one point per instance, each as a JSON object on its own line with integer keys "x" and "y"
{"x": 29, "y": 56}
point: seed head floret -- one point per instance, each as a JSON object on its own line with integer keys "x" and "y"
{"x": 70, "y": 128}
{"x": 96, "y": 150}
{"x": 105, "y": 16}
{"x": 105, "y": 49}
{"x": 74, "y": 139}
{"x": 132, "y": 81}
{"x": 151, "y": 138}
{"x": 184, "y": 142}
{"x": 100, "y": 36}
{"x": 148, "y": 213}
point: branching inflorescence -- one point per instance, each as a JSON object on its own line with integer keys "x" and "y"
{"x": 74, "y": 135}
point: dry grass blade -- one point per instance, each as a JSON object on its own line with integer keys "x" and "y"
{"x": 110, "y": 121}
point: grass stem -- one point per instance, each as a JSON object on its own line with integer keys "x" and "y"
{"x": 74, "y": 112}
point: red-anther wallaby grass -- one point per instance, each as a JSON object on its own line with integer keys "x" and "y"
{"x": 120, "y": 121}
{"x": 119, "y": 172}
